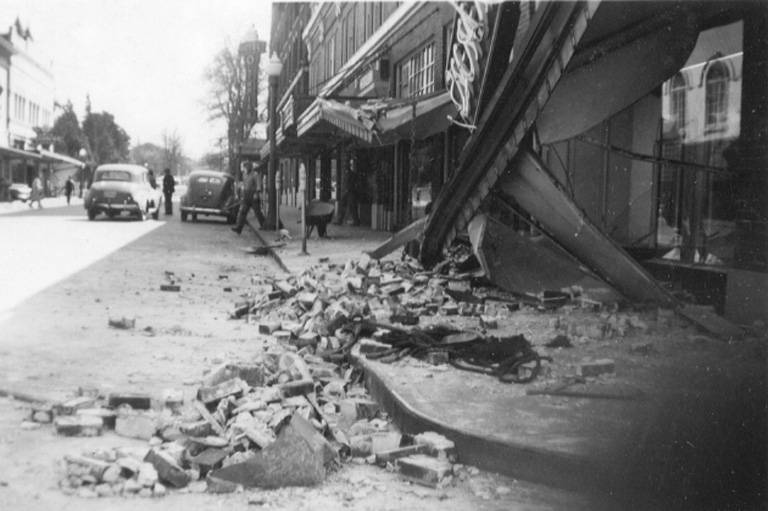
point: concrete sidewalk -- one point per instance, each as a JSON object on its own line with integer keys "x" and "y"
{"x": 677, "y": 423}
{"x": 343, "y": 242}
{"x": 48, "y": 202}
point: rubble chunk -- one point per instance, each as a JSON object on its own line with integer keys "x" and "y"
{"x": 424, "y": 470}
{"x": 135, "y": 401}
{"x": 436, "y": 444}
{"x": 168, "y": 471}
{"x": 78, "y": 425}
{"x": 210, "y": 395}
{"x": 596, "y": 367}
{"x": 136, "y": 424}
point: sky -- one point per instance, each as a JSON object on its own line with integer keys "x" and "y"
{"x": 141, "y": 60}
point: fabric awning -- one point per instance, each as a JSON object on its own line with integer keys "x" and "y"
{"x": 378, "y": 121}
{"x": 18, "y": 153}
{"x": 328, "y": 116}
{"x": 60, "y": 158}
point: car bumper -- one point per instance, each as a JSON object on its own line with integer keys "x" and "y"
{"x": 196, "y": 210}
{"x": 115, "y": 207}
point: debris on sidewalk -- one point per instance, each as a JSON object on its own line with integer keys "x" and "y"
{"x": 122, "y": 323}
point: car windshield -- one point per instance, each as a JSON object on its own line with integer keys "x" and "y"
{"x": 112, "y": 175}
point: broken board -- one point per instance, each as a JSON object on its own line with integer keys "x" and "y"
{"x": 403, "y": 236}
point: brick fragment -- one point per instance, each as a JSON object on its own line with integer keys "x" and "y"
{"x": 70, "y": 406}
{"x": 170, "y": 287}
{"x": 134, "y": 400}
{"x": 78, "y": 425}
{"x": 210, "y": 395}
{"x": 108, "y": 417}
{"x": 197, "y": 428}
{"x": 597, "y": 367}
{"x": 384, "y": 457}
{"x": 42, "y": 414}
{"x": 137, "y": 424}
{"x": 267, "y": 327}
{"x": 92, "y": 466}
{"x": 168, "y": 471}
{"x": 297, "y": 387}
{"x": 424, "y": 470}
{"x": 436, "y": 444}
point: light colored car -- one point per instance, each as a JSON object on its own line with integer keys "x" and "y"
{"x": 19, "y": 191}
{"x": 122, "y": 189}
{"x": 210, "y": 193}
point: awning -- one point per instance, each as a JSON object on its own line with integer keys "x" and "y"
{"x": 380, "y": 121}
{"x": 59, "y": 158}
{"x": 327, "y": 117}
{"x": 18, "y": 153}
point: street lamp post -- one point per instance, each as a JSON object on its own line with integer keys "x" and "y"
{"x": 83, "y": 154}
{"x": 273, "y": 69}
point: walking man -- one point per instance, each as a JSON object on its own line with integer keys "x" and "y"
{"x": 69, "y": 187}
{"x": 250, "y": 199}
{"x": 168, "y": 188}
{"x": 37, "y": 192}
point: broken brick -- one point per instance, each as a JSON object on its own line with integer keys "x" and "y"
{"x": 436, "y": 444}
{"x": 92, "y": 466}
{"x": 384, "y": 457}
{"x": 78, "y": 425}
{"x": 424, "y": 470}
{"x": 136, "y": 424}
{"x": 135, "y": 401}
{"x": 267, "y": 327}
{"x": 210, "y": 395}
{"x": 596, "y": 367}
{"x": 170, "y": 287}
{"x": 71, "y": 406}
{"x": 168, "y": 471}
{"x": 108, "y": 417}
{"x": 297, "y": 387}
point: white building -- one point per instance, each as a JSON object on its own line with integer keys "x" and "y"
{"x": 30, "y": 97}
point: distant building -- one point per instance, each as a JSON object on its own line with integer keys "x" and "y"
{"x": 27, "y": 102}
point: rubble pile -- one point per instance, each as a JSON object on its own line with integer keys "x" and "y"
{"x": 284, "y": 418}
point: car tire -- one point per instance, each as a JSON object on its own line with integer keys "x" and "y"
{"x": 183, "y": 216}
{"x": 91, "y": 214}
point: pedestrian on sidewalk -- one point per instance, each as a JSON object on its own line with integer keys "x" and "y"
{"x": 37, "y": 192}
{"x": 250, "y": 199}
{"x": 152, "y": 180}
{"x": 350, "y": 200}
{"x": 168, "y": 188}
{"x": 69, "y": 187}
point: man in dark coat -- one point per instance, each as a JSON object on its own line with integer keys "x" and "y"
{"x": 69, "y": 187}
{"x": 168, "y": 188}
{"x": 249, "y": 199}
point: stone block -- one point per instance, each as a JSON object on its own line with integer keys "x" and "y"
{"x": 384, "y": 457}
{"x": 210, "y": 395}
{"x": 78, "y": 425}
{"x": 135, "y": 401}
{"x": 424, "y": 470}
{"x": 42, "y": 414}
{"x": 297, "y": 458}
{"x": 596, "y": 367}
{"x": 267, "y": 327}
{"x": 70, "y": 406}
{"x": 297, "y": 387}
{"x": 436, "y": 444}
{"x": 138, "y": 424}
{"x": 168, "y": 471}
{"x": 106, "y": 415}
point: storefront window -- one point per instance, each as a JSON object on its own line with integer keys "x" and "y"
{"x": 701, "y": 114}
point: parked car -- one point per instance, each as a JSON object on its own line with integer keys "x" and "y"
{"x": 122, "y": 189}
{"x": 210, "y": 192}
{"x": 19, "y": 191}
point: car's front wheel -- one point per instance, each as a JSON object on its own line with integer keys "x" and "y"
{"x": 91, "y": 214}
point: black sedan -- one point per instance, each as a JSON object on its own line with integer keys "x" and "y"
{"x": 210, "y": 193}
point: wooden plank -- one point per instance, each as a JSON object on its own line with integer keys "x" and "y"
{"x": 403, "y": 236}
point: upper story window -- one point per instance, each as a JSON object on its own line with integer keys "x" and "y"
{"x": 716, "y": 106}
{"x": 416, "y": 74}
{"x": 349, "y": 35}
{"x": 677, "y": 100}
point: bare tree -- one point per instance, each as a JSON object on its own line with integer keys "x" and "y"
{"x": 172, "y": 151}
{"x": 227, "y": 100}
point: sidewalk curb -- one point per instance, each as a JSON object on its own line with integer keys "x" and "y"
{"x": 511, "y": 459}
{"x": 271, "y": 251}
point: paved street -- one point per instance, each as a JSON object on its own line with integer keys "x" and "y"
{"x": 65, "y": 277}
